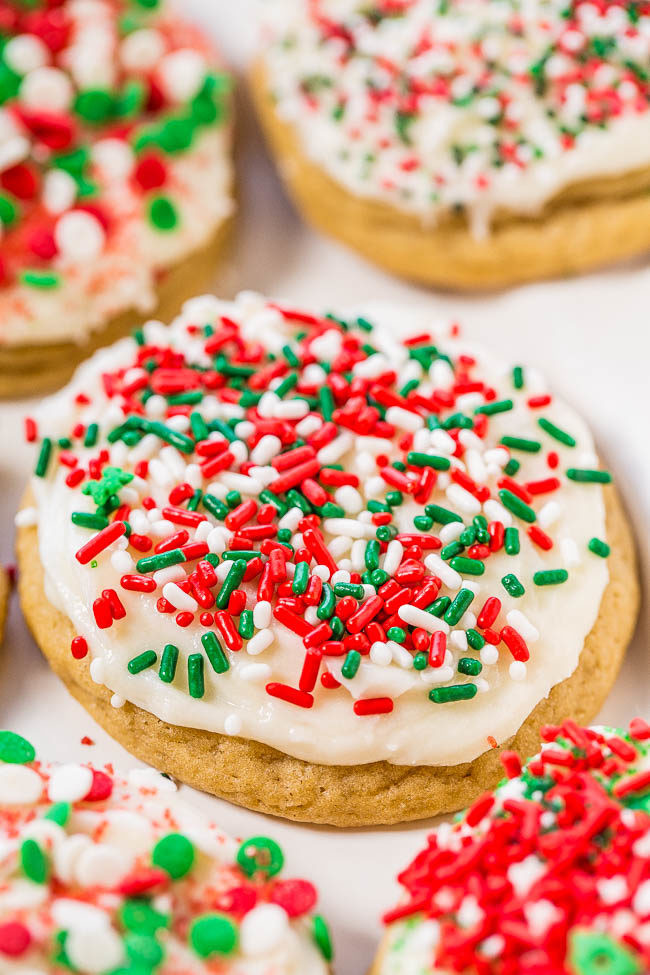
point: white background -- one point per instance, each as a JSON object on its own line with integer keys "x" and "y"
{"x": 591, "y": 336}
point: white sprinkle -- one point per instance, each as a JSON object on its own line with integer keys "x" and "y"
{"x": 489, "y": 655}
{"x": 418, "y": 617}
{"x": 451, "y": 532}
{"x": 358, "y": 555}
{"x": 522, "y": 624}
{"x": 69, "y": 783}
{"x": 79, "y": 236}
{"x": 351, "y": 527}
{"x": 404, "y": 419}
{"x": 19, "y": 785}
{"x": 381, "y": 654}
{"x": 494, "y": 511}
{"x": 162, "y": 528}
{"x": 338, "y": 546}
{"x": 46, "y": 90}
{"x": 97, "y": 670}
{"x": 462, "y": 499}
{"x": 263, "y": 930}
{"x": 393, "y": 557}
{"x": 26, "y": 517}
{"x": 255, "y": 673}
{"x": 517, "y": 670}
{"x": 570, "y": 554}
{"x": 332, "y": 452}
{"x": 24, "y": 53}
{"x": 322, "y": 572}
{"x": 179, "y": 599}
{"x": 262, "y": 614}
{"x": 341, "y": 576}
{"x": 260, "y": 642}
{"x": 172, "y": 573}
{"x": 458, "y": 639}
{"x": 349, "y": 499}
{"x": 549, "y": 514}
{"x": 309, "y": 425}
{"x": 291, "y": 519}
{"x": 267, "y": 448}
{"x": 142, "y": 50}
{"x": 452, "y": 579}
{"x": 232, "y": 725}
{"x": 182, "y": 73}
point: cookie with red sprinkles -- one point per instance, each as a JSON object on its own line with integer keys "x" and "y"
{"x": 324, "y": 565}
{"x": 115, "y": 176}
{"x": 464, "y": 143}
{"x": 550, "y": 873}
{"x": 102, "y": 873}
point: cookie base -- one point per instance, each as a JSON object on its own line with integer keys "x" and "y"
{"x": 29, "y": 369}
{"x": 261, "y": 778}
{"x": 592, "y": 224}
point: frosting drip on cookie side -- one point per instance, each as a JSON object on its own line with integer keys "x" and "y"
{"x": 100, "y": 874}
{"x": 485, "y": 106}
{"x": 551, "y": 872}
{"x": 299, "y": 530}
{"x": 114, "y": 162}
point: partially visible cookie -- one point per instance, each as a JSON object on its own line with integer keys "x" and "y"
{"x": 116, "y": 177}
{"x": 550, "y": 873}
{"x": 103, "y": 873}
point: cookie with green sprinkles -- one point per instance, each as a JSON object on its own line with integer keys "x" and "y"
{"x": 116, "y": 183}
{"x": 317, "y": 568}
{"x": 108, "y": 873}
{"x": 463, "y": 144}
{"x": 549, "y": 873}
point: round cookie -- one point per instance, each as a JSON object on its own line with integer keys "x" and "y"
{"x": 550, "y": 873}
{"x": 102, "y": 873}
{"x": 468, "y": 145}
{"x": 115, "y": 178}
{"x": 319, "y": 571}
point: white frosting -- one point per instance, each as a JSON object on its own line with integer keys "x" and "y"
{"x": 557, "y": 618}
{"x": 362, "y": 150}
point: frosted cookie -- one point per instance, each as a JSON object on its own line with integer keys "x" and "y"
{"x": 115, "y": 177}
{"x": 463, "y": 144}
{"x": 100, "y": 873}
{"x": 317, "y": 570}
{"x": 550, "y": 873}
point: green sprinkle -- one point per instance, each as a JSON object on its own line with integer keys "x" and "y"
{"x": 518, "y": 377}
{"x": 351, "y": 664}
{"x": 511, "y": 467}
{"x": 511, "y": 540}
{"x": 454, "y": 548}
{"x": 322, "y": 937}
{"x": 94, "y": 105}
{"x": 34, "y": 862}
{"x": 521, "y": 443}
{"x": 371, "y": 555}
{"x": 300, "y": 579}
{"x": 416, "y": 459}
{"x": 91, "y": 435}
{"x": 174, "y": 854}
{"x": 326, "y": 400}
{"x": 215, "y": 506}
{"x": 15, "y": 750}
{"x": 86, "y": 520}
{"x": 43, "y": 458}
{"x": 212, "y": 935}
{"x": 550, "y": 577}
{"x": 498, "y": 406}
{"x": 439, "y": 606}
{"x": 396, "y": 633}
{"x": 143, "y": 660}
{"x": 151, "y": 563}
{"x": 327, "y": 603}
{"x": 195, "y": 679}
{"x": 512, "y": 585}
{"x": 584, "y": 476}
{"x": 556, "y": 432}
{"x": 215, "y": 653}
{"x": 168, "y": 663}
{"x": 246, "y": 624}
{"x": 138, "y": 915}
{"x": 421, "y": 660}
{"x": 260, "y": 855}
{"x": 179, "y": 440}
{"x": 8, "y": 210}
{"x": 163, "y": 214}
{"x": 143, "y": 951}
{"x": 231, "y": 582}
{"x": 342, "y": 589}
{"x": 457, "y": 609}
{"x": 599, "y": 547}
{"x": 59, "y": 813}
{"x": 469, "y": 666}
{"x": 517, "y": 506}
{"x": 199, "y": 427}
{"x": 454, "y": 692}
{"x": 469, "y": 567}
{"x": 474, "y": 639}
{"x": 442, "y": 515}
{"x": 423, "y": 523}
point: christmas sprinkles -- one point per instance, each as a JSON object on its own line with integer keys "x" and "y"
{"x": 550, "y": 873}
{"x": 213, "y": 488}
{"x": 103, "y": 874}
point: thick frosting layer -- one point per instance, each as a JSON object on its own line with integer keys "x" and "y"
{"x": 114, "y": 161}
{"x": 356, "y": 549}
{"x": 473, "y": 104}
{"x": 549, "y": 873}
{"x": 101, "y": 874}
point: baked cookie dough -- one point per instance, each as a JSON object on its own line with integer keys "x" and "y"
{"x": 468, "y": 145}
{"x": 550, "y": 873}
{"x": 318, "y": 570}
{"x": 102, "y": 873}
{"x": 115, "y": 178}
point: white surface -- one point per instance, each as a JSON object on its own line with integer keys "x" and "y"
{"x": 591, "y": 336}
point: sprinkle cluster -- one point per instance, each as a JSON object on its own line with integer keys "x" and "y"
{"x": 100, "y": 875}
{"x": 284, "y": 471}
{"x": 551, "y": 873}
{"x": 97, "y": 100}
{"x": 446, "y": 105}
